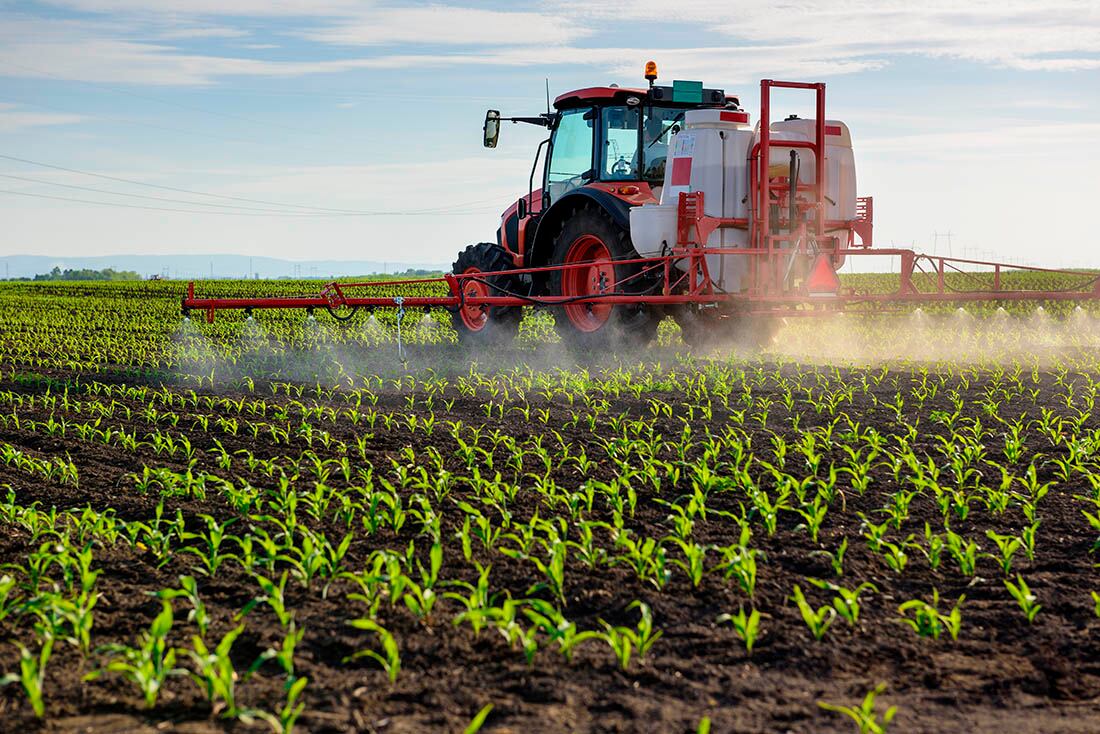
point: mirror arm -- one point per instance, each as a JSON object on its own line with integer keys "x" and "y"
{"x": 543, "y": 120}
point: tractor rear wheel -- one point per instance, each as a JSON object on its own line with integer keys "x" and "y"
{"x": 486, "y": 324}
{"x": 594, "y": 243}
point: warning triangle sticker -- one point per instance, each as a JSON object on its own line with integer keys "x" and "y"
{"x": 823, "y": 280}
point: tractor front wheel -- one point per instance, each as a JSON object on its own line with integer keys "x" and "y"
{"x": 591, "y": 247}
{"x": 478, "y": 324}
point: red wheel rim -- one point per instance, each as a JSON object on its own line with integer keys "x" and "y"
{"x": 474, "y": 317}
{"x": 595, "y": 277}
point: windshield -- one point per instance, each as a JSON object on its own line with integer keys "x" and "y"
{"x": 622, "y": 159}
{"x": 570, "y": 153}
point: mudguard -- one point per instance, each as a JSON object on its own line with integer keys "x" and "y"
{"x": 550, "y": 221}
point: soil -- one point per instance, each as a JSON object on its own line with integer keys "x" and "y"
{"x": 1001, "y": 675}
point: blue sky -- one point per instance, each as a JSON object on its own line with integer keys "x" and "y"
{"x": 978, "y": 118}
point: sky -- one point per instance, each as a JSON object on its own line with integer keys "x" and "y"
{"x": 351, "y": 129}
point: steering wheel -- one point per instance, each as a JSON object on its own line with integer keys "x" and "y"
{"x": 621, "y": 167}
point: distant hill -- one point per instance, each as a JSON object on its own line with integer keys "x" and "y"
{"x": 205, "y": 266}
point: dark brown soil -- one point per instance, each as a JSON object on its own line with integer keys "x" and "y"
{"x": 1001, "y": 675}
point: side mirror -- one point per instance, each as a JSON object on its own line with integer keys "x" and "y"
{"x": 521, "y": 208}
{"x": 491, "y": 129}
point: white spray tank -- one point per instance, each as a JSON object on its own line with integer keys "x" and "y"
{"x": 710, "y": 154}
{"x": 840, "y": 164}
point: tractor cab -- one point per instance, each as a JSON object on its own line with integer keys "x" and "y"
{"x": 569, "y": 237}
{"x": 608, "y": 145}
{"x": 611, "y": 135}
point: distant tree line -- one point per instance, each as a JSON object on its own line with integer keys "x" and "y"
{"x": 87, "y": 274}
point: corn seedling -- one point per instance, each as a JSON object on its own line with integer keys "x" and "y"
{"x": 1028, "y": 602}
{"x": 864, "y": 715}
{"x": 746, "y": 626}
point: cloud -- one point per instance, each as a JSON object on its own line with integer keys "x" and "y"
{"x": 1056, "y": 35}
{"x": 13, "y": 118}
{"x": 236, "y": 8}
{"x": 1037, "y": 139}
{"x": 134, "y": 41}
{"x": 451, "y": 25}
{"x": 211, "y": 32}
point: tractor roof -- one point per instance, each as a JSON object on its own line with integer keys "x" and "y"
{"x": 617, "y": 95}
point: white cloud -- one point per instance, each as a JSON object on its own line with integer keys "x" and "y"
{"x": 13, "y": 118}
{"x": 130, "y": 41}
{"x": 1042, "y": 139}
{"x": 235, "y": 8}
{"x": 1016, "y": 33}
{"x": 201, "y": 32}
{"x": 445, "y": 24}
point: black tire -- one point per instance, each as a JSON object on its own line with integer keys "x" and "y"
{"x": 701, "y": 331}
{"x": 628, "y": 325}
{"x": 501, "y": 323}
{"x": 706, "y": 330}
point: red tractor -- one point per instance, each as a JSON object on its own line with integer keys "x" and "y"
{"x": 606, "y": 154}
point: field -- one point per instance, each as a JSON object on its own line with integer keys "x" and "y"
{"x": 880, "y": 524}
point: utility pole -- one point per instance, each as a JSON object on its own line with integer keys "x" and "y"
{"x": 936, "y": 242}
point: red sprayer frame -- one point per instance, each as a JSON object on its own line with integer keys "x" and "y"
{"x": 772, "y": 285}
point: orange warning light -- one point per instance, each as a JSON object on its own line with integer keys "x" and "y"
{"x": 651, "y": 71}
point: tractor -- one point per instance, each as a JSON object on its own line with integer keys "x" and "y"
{"x": 606, "y": 154}
{"x": 666, "y": 201}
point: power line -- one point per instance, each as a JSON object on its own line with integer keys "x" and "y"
{"x": 306, "y": 215}
{"x": 172, "y": 188}
{"x": 152, "y": 198}
{"x": 315, "y": 209}
{"x": 96, "y": 117}
{"x": 137, "y": 206}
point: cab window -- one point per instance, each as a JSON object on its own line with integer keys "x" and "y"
{"x": 570, "y": 153}
{"x": 621, "y": 161}
{"x": 661, "y": 123}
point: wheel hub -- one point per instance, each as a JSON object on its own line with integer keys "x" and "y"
{"x": 593, "y": 276}
{"x": 474, "y": 316}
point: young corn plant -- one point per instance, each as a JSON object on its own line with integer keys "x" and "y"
{"x": 282, "y": 722}
{"x": 964, "y": 551}
{"x": 148, "y": 665}
{"x": 389, "y": 658}
{"x": 835, "y": 558}
{"x": 550, "y": 621}
{"x": 928, "y": 621}
{"x": 214, "y": 673}
{"x": 864, "y": 715}
{"x": 817, "y": 620}
{"x": 274, "y": 595}
{"x": 1007, "y": 545}
{"x": 745, "y": 626}
{"x": 623, "y": 640}
{"x": 189, "y": 590}
{"x": 32, "y": 673}
{"x": 1028, "y": 602}
{"x": 846, "y": 602}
